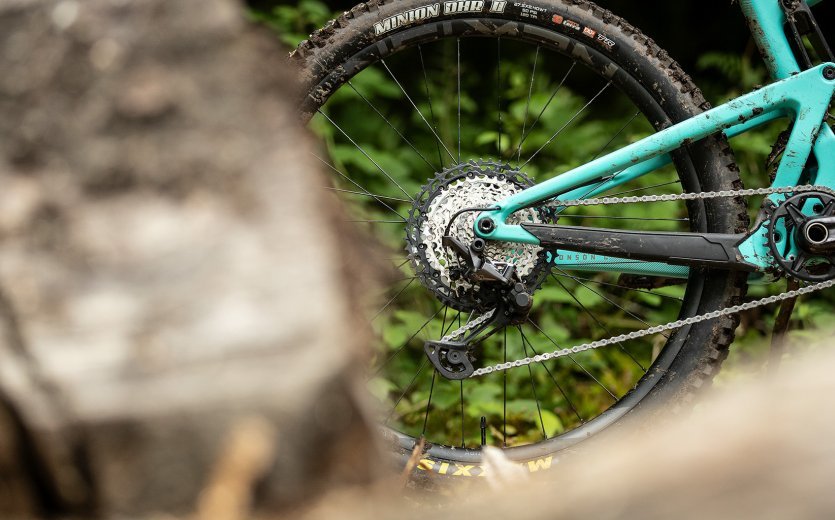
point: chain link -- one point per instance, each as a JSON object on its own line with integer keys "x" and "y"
{"x": 694, "y": 196}
{"x": 674, "y": 324}
{"x": 455, "y": 334}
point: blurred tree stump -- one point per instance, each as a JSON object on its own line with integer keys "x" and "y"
{"x": 169, "y": 268}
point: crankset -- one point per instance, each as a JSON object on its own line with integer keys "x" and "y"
{"x": 802, "y": 244}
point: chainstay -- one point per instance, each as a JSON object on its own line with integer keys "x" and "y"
{"x": 678, "y": 323}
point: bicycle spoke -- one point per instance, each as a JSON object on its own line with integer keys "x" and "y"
{"x": 398, "y": 132}
{"x": 662, "y": 295}
{"x": 594, "y": 318}
{"x": 372, "y": 195}
{"x": 528, "y": 105}
{"x": 406, "y": 343}
{"x": 458, "y": 69}
{"x": 365, "y": 191}
{"x": 406, "y": 391}
{"x": 403, "y": 279}
{"x": 420, "y": 114}
{"x": 361, "y": 221}
{"x": 554, "y": 379}
{"x": 451, "y": 323}
{"x": 574, "y": 360}
{"x": 602, "y": 149}
{"x": 462, "y": 413}
{"x": 613, "y": 177}
{"x": 443, "y": 333}
{"x": 547, "y": 104}
{"x": 443, "y": 323}
{"x": 677, "y": 181}
{"x": 637, "y": 113}
{"x": 358, "y": 147}
{"x": 504, "y": 392}
{"x": 429, "y": 403}
{"x": 612, "y": 302}
{"x": 575, "y": 116}
{"x": 533, "y": 386}
{"x": 429, "y": 98}
{"x": 499, "y": 89}
{"x": 393, "y": 299}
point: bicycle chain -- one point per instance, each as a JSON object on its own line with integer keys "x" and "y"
{"x": 455, "y": 334}
{"x": 695, "y": 196}
{"x": 673, "y": 324}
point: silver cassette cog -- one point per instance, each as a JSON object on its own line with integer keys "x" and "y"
{"x": 475, "y": 184}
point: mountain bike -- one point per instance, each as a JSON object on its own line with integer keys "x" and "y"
{"x": 571, "y": 237}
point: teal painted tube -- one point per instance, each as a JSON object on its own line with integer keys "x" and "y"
{"x": 766, "y": 20}
{"x": 825, "y": 155}
{"x": 645, "y": 167}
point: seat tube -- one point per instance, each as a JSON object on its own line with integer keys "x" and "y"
{"x": 766, "y": 21}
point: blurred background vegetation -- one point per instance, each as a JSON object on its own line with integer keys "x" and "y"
{"x": 715, "y": 49}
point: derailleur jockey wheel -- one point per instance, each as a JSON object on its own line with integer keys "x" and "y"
{"x": 804, "y": 245}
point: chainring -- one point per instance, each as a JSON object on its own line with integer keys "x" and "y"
{"x": 468, "y": 185}
{"x": 781, "y": 229}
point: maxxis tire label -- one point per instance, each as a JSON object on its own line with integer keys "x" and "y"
{"x": 519, "y": 10}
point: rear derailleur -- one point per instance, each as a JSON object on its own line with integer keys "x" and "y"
{"x": 452, "y": 354}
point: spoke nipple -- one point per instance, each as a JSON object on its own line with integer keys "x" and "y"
{"x": 483, "y": 430}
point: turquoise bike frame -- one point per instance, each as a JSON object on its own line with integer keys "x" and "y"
{"x": 803, "y": 97}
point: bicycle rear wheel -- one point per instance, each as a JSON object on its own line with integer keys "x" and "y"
{"x": 532, "y": 87}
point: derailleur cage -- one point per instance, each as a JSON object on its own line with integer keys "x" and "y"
{"x": 453, "y": 357}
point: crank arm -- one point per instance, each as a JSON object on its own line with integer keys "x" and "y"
{"x": 690, "y": 249}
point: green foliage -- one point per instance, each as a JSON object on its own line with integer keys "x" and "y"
{"x": 738, "y": 70}
{"x": 294, "y": 22}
